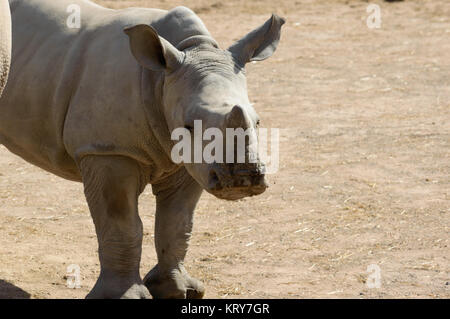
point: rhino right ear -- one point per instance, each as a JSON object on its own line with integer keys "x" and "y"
{"x": 259, "y": 44}
{"x": 152, "y": 51}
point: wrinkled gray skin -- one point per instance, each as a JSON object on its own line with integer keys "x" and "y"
{"x": 5, "y": 43}
{"x": 97, "y": 105}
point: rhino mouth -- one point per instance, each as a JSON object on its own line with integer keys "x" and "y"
{"x": 237, "y": 184}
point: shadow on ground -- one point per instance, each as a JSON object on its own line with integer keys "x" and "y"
{"x": 9, "y": 291}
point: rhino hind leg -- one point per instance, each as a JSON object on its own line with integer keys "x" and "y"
{"x": 112, "y": 186}
{"x": 176, "y": 199}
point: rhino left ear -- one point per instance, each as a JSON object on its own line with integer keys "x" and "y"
{"x": 259, "y": 44}
{"x": 152, "y": 51}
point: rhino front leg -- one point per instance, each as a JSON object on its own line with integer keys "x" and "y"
{"x": 176, "y": 199}
{"x": 112, "y": 186}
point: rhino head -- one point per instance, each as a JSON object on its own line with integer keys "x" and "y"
{"x": 203, "y": 82}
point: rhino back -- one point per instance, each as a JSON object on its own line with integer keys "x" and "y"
{"x": 78, "y": 91}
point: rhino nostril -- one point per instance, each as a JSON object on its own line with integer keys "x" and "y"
{"x": 246, "y": 182}
{"x": 213, "y": 176}
{"x": 241, "y": 182}
{"x": 214, "y": 182}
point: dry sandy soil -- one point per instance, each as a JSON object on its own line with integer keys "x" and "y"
{"x": 364, "y": 172}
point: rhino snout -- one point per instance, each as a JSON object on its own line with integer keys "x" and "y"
{"x": 234, "y": 182}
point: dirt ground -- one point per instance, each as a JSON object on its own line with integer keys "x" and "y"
{"x": 364, "y": 172}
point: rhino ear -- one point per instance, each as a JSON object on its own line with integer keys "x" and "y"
{"x": 152, "y": 51}
{"x": 259, "y": 44}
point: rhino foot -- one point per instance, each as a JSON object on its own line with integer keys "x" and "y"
{"x": 175, "y": 284}
{"x": 118, "y": 289}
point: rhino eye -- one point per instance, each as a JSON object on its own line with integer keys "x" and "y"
{"x": 257, "y": 123}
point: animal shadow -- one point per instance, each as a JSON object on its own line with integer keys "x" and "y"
{"x": 9, "y": 291}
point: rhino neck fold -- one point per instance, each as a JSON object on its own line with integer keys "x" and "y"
{"x": 151, "y": 92}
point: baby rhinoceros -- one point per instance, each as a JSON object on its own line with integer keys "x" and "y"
{"x": 96, "y": 101}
